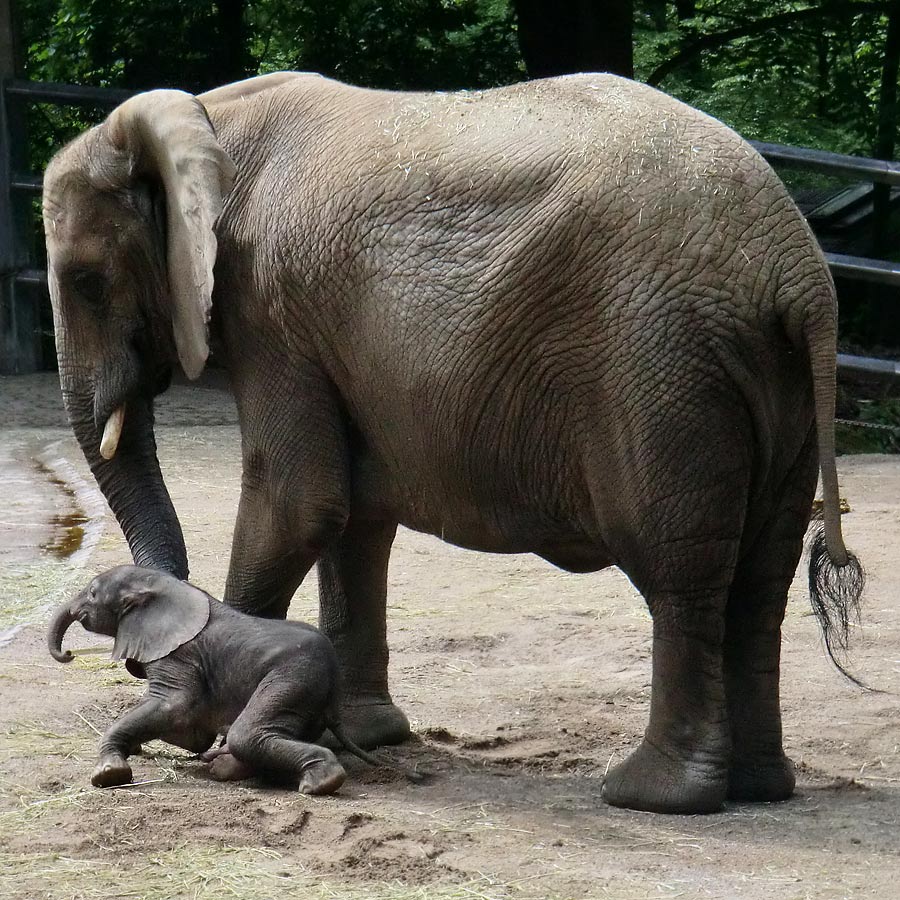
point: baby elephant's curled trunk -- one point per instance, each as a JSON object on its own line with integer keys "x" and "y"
{"x": 59, "y": 624}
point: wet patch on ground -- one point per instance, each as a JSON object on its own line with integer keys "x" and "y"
{"x": 50, "y": 523}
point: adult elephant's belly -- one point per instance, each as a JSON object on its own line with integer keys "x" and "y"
{"x": 577, "y": 555}
{"x": 458, "y": 513}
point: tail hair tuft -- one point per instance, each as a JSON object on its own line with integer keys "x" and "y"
{"x": 834, "y": 592}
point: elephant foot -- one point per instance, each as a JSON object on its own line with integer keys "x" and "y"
{"x": 224, "y": 766}
{"x": 322, "y": 774}
{"x": 372, "y": 723}
{"x": 761, "y": 780}
{"x": 213, "y": 752}
{"x": 111, "y": 771}
{"x": 652, "y": 781}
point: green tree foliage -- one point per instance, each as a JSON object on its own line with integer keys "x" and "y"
{"x": 140, "y": 44}
{"x": 132, "y": 44}
{"x": 162, "y": 43}
{"x": 413, "y": 44}
{"x": 776, "y": 70}
{"x": 805, "y": 72}
{"x": 129, "y": 43}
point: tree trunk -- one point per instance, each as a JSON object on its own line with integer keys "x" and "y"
{"x": 575, "y": 36}
{"x": 885, "y": 140}
{"x": 887, "y": 309}
{"x": 230, "y": 56}
{"x": 687, "y": 9}
{"x": 823, "y": 72}
{"x": 656, "y": 10}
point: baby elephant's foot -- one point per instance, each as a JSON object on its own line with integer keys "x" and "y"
{"x": 321, "y": 773}
{"x": 111, "y": 771}
{"x": 224, "y": 766}
{"x": 213, "y": 752}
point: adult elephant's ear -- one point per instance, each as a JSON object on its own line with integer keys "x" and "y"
{"x": 158, "y": 618}
{"x": 168, "y": 135}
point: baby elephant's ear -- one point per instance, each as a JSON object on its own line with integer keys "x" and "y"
{"x": 159, "y": 618}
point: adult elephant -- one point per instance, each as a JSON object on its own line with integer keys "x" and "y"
{"x": 572, "y": 317}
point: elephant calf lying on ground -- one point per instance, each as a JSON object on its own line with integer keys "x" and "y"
{"x": 272, "y": 686}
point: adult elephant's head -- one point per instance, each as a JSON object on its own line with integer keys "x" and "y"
{"x": 129, "y": 212}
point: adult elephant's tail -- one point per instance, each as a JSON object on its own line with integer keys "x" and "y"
{"x": 836, "y": 577}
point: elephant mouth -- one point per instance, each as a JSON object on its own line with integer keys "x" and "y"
{"x": 138, "y": 382}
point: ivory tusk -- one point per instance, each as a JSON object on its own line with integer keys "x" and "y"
{"x": 112, "y": 432}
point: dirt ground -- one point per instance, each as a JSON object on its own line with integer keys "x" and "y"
{"x": 523, "y": 684}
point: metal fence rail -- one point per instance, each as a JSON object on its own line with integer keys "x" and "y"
{"x": 868, "y": 364}
{"x": 876, "y": 170}
{"x": 66, "y": 94}
{"x": 17, "y": 268}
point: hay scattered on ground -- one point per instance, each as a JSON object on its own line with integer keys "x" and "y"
{"x": 27, "y": 592}
{"x": 22, "y": 809}
{"x": 107, "y": 672}
{"x": 208, "y": 872}
{"x": 36, "y": 739}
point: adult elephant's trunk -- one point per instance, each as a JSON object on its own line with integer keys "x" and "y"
{"x": 132, "y": 482}
{"x": 59, "y": 624}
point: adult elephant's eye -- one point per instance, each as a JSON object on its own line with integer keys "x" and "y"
{"x": 90, "y": 287}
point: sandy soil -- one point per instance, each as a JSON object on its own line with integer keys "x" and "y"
{"x": 523, "y": 684}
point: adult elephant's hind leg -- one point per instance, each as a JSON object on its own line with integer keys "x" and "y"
{"x": 352, "y": 597}
{"x": 681, "y": 551}
{"x": 759, "y": 769}
{"x": 681, "y": 764}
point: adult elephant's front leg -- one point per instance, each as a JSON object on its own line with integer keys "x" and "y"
{"x": 352, "y": 597}
{"x": 294, "y": 489}
{"x": 267, "y": 564}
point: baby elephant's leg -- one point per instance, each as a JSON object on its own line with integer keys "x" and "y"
{"x": 145, "y": 722}
{"x": 272, "y": 733}
{"x": 225, "y": 766}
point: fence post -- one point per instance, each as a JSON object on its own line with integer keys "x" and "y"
{"x": 19, "y": 328}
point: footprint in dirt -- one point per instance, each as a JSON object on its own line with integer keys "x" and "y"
{"x": 372, "y": 848}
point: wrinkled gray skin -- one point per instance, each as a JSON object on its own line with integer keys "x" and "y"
{"x": 572, "y": 317}
{"x": 271, "y": 686}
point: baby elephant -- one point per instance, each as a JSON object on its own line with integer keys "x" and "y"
{"x": 271, "y": 686}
